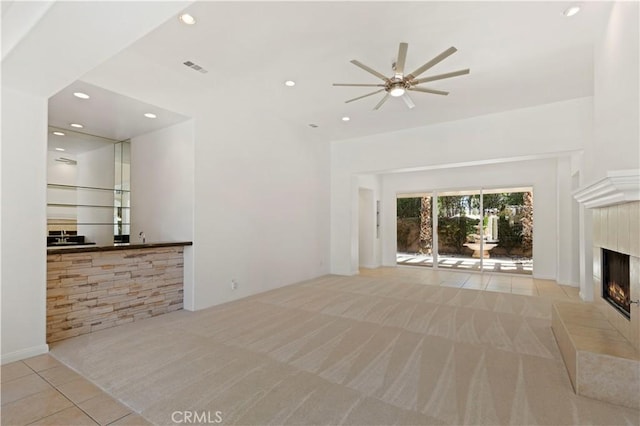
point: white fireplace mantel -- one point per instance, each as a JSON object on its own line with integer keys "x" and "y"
{"x": 620, "y": 186}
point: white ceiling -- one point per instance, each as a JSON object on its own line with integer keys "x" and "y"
{"x": 520, "y": 54}
{"x": 106, "y": 113}
{"x": 74, "y": 143}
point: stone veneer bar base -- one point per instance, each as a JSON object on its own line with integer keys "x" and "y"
{"x": 93, "y": 290}
{"x": 602, "y": 364}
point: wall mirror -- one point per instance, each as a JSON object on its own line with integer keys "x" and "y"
{"x": 88, "y": 189}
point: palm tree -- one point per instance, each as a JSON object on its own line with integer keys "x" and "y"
{"x": 527, "y": 221}
{"x": 425, "y": 225}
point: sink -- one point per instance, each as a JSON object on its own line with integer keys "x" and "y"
{"x": 68, "y": 243}
{"x": 65, "y": 240}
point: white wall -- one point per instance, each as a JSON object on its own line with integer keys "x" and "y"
{"x": 23, "y": 250}
{"x": 162, "y": 189}
{"x": 615, "y": 144}
{"x": 548, "y": 130}
{"x": 540, "y": 174}
{"x": 567, "y": 235}
{"x": 366, "y": 228}
{"x": 367, "y": 232}
{"x": 261, "y": 204}
{"x": 616, "y": 141}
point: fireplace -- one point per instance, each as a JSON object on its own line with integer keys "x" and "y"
{"x": 616, "y": 281}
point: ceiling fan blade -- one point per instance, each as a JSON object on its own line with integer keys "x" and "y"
{"x": 425, "y": 90}
{"x": 358, "y": 85}
{"x": 381, "y": 102}
{"x": 369, "y": 70}
{"x": 407, "y": 100}
{"x": 402, "y": 57}
{"x": 440, "y": 76}
{"x": 441, "y": 57}
{"x": 363, "y": 96}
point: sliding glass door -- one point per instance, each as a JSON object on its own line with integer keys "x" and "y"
{"x": 483, "y": 230}
{"x": 458, "y": 228}
{"x": 414, "y": 232}
{"x": 508, "y": 216}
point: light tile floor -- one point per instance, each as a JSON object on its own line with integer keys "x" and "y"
{"x": 502, "y": 283}
{"x": 42, "y": 391}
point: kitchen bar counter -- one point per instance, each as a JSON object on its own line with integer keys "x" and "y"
{"x": 123, "y": 246}
{"x": 90, "y": 288}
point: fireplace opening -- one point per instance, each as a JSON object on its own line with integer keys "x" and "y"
{"x": 616, "y": 281}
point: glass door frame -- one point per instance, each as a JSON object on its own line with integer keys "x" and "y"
{"x": 436, "y": 193}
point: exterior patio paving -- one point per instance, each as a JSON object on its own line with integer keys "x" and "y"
{"x": 498, "y": 264}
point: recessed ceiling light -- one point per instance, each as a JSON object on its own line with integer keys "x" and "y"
{"x": 59, "y": 149}
{"x": 58, "y": 133}
{"x": 76, "y": 125}
{"x": 150, "y": 115}
{"x": 81, "y": 95}
{"x": 185, "y": 18}
{"x": 345, "y": 118}
{"x": 290, "y": 83}
{"x": 570, "y": 11}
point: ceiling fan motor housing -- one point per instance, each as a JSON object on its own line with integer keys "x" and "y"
{"x": 397, "y": 87}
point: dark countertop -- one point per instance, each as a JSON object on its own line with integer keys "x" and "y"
{"x": 123, "y": 246}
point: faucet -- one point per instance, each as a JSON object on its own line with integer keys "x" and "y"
{"x": 63, "y": 238}
{"x": 141, "y": 235}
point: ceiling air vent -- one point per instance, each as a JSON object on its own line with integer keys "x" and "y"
{"x": 67, "y": 161}
{"x": 195, "y": 67}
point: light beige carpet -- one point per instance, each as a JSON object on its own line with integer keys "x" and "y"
{"x": 346, "y": 350}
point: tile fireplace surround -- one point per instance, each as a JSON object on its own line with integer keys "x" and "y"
{"x": 616, "y": 228}
{"x": 615, "y": 206}
{"x": 600, "y": 346}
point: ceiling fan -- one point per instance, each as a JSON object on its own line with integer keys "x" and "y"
{"x": 400, "y": 83}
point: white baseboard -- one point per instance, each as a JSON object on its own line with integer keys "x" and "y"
{"x": 24, "y": 353}
{"x": 543, "y": 277}
{"x": 370, "y": 266}
{"x": 568, "y": 283}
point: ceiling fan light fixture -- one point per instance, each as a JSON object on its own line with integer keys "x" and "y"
{"x": 570, "y": 11}
{"x": 397, "y": 91}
